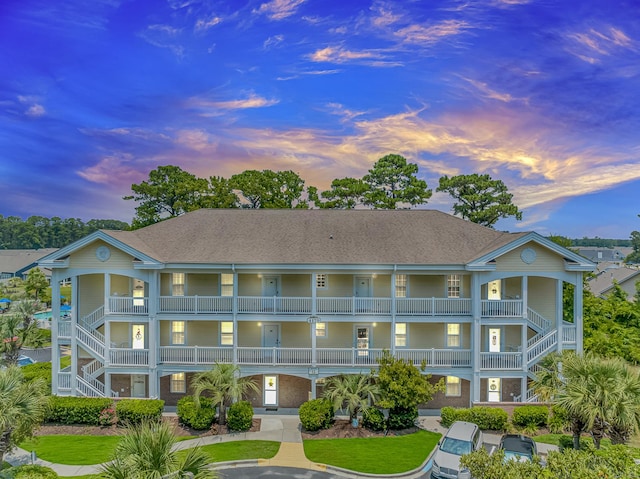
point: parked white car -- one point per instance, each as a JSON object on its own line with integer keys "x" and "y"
{"x": 461, "y": 438}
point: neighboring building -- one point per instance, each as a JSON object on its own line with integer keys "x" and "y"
{"x": 603, "y": 284}
{"x": 295, "y": 296}
{"x": 16, "y": 263}
{"x": 608, "y": 255}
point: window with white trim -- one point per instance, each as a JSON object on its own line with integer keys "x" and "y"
{"x": 453, "y": 386}
{"x": 178, "y": 383}
{"x": 321, "y": 281}
{"x": 177, "y": 284}
{"x": 321, "y": 330}
{"x": 453, "y": 335}
{"x": 401, "y": 285}
{"x": 226, "y": 284}
{"x": 454, "y": 282}
{"x": 401, "y": 335}
{"x": 177, "y": 332}
{"x": 226, "y": 333}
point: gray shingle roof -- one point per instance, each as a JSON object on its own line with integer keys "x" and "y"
{"x": 426, "y": 237}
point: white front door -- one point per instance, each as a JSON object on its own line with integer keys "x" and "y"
{"x": 271, "y": 335}
{"x": 271, "y": 286}
{"x": 494, "y": 289}
{"x": 270, "y": 391}
{"x": 363, "y": 287}
{"x": 137, "y": 336}
{"x": 494, "y": 340}
{"x": 138, "y": 382}
{"x": 363, "y": 336}
{"x": 493, "y": 393}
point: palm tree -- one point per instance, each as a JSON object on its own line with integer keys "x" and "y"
{"x": 548, "y": 379}
{"x": 146, "y": 451}
{"x": 625, "y": 416}
{"x": 224, "y": 384}
{"x": 22, "y": 407}
{"x": 15, "y": 333}
{"x": 352, "y": 392}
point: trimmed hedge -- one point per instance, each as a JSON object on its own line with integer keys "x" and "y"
{"x": 402, "y": 418}
{"x": 136, "y": 411}
{"x": 530, "y": 416}
{"x": 76, "y": 410}
{"x": 29, "y": 471}
{"x": 197, "y": 418}
{"x": 373, "y": 419}
{"x": 316, "y": 414}
{"x": 487, "y": 418}
{"x": 32, "y": 372}
{"x": 240, "y": 416}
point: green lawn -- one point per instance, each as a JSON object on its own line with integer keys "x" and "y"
{"x": 73, "y": 450}
{"x": 240, "y": 450}
{"x": 377, "y": 455}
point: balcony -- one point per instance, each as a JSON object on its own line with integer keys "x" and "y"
{"x": 282, "y": 305}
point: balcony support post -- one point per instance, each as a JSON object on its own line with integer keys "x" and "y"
{"x": 107, "y": 292}
{"x": 476, "y": 333}
{"x": 577, "y": 312}
{"x": 55, "y": 319}
{"x": 559, "y": 315}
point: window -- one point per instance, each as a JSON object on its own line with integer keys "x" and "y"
{"x": 226, "y": 333}
{"x": 177, "y": 332}
{"x": 453, "y": 335}
{"x": 321, "y": 330}
{"x": 454, "y": 386}
{"x": 226, "y": 284}
{"x": 321, "y": 281}
{"x": 401, "y": 335}
{"x": 401, "y": 286}
{"x": 138, "y": 293}
{"x": 453, "y": 286}
{"x": 178, "y": 383}
{"x": 177, "y": 284}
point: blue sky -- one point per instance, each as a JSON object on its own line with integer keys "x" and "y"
{"x": 544, "y": 95}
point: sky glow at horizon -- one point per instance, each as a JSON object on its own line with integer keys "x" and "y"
{"x": 542, "y": 95}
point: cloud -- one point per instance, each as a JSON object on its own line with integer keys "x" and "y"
{"x": 279, "y": 9}
{"x": 116, "y": 169}
{"x": 214, "y": 108}
{"x": 338, "y": 54}
{"x": 163, "y": 36}
{"x": 34, "y": 108}
{"x": 273, "y": 41}
{"x": 420, "y": 34}
{"x": 203, "y": 25}
{"x": 488, "y": 92}
{"x": 593, "y": 45}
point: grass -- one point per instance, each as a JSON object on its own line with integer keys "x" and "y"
{"x": 239, "y": 450}
{"x": 376, "y": 455}
{"x": 73, "y": 450}
{"x": 554, "y": 439}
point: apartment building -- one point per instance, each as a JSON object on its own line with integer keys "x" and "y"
{"x": 296, "y": 296}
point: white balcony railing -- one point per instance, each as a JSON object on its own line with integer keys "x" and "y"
{"x": 279, "y": 356}
{"x": 433, "y": 306}
{"x": 569, "y": 333}
{"x": 505, "y": 308}
{"x": 274, "y": 304}
{"x": 64, "y": 380}
{"x": 64, "y": 328}
{"x": 195, "y": 355}
{"x": 195, "y": 304}
{"x": 500, "y": 360}
{"x": 128, "y": 305}
{"x": 436, "y": 357}
{"x": 129, "y": 357}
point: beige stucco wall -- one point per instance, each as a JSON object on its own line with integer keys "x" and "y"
{"x": 90, "y": 293}
{"x": 427, "y": 286}
{"x": 433, "y": 335}
{"x": 249, "y": 285}
{"x": 200, "y": 284}
{"x": 296, "y": 285}
{"x": 382, "y": 286}
{"x": 542, "y": 296}
{"x": 121, "y": 334}
{"x": 339, "y": 286}
{"x": 120, "y": 285}
{"x": 295, "y": 335}
{"x": 546, "y": 260}
{"x": 249, "y": 334}
{"x": 86, "y": 258}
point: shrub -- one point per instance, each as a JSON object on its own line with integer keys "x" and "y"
{"x": 373, "y": 418}
{"x": 199, "y": 418}
{"x": 559, "y": 420}
{"x": 565, "y": 442}
{"x": 530, "y": 416}
{"x": 76, "y": 410}
{"x": 108, "y": 417}
{"x": 402, "y": 418}
{"x": 28, "y": 472}
{"x": 137, "y": 411}
{"x": 31, "y": 372}
{"x": 487, "y": 418}
{"x": 240, "y": 416}
{"x": 316, "y": 414}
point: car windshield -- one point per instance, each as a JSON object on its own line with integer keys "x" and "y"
{"x": 455, "y": 446}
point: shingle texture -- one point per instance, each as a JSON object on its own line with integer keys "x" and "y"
{"x": 422, "y": 237}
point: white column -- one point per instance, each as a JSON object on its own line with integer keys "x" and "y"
{"x": 74, "y": 335}
{"x": 313, "y": 388}
{"x": 578, "y": 313}
{"x": 476, "y": 333}
{"x": 525, "y": 296}
{"x": 107, "y": 384}
{"x": 559, "y": 313}
{"x": 393, "y": 313}
{"x": 235, "y": 318}
{"x": 314, "y": 294}
{"x": 107, "y": 292}
{"x": 55, "y": 318}
{"x": 314, "y": 340}
{"x": 523, "y": 389}
{"x": 523, "y": 347}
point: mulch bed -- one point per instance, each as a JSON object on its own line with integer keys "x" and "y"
{"x": 342, "y": 429}
{"x": 178, "y": 429}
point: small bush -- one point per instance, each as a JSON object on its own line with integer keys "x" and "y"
{"x": 28, "y": 472}
{"x": 316, "y": 414}
{"x": 401, "y": 418}
{"x": 559, "y": 420}
{"x": 530, "y": 416}
{"x": 487, "y": 418}
{"x": 198, "y": 418}
{"x": 565, "y": 442}
{"x": 31, "y": 372}
{"x": 137, "y": 411}
{"x": 373, "y": 419}
{"x": 240, "y": 416}
{"x": 76, "y": 410}
{"x": 108, "y": 417}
